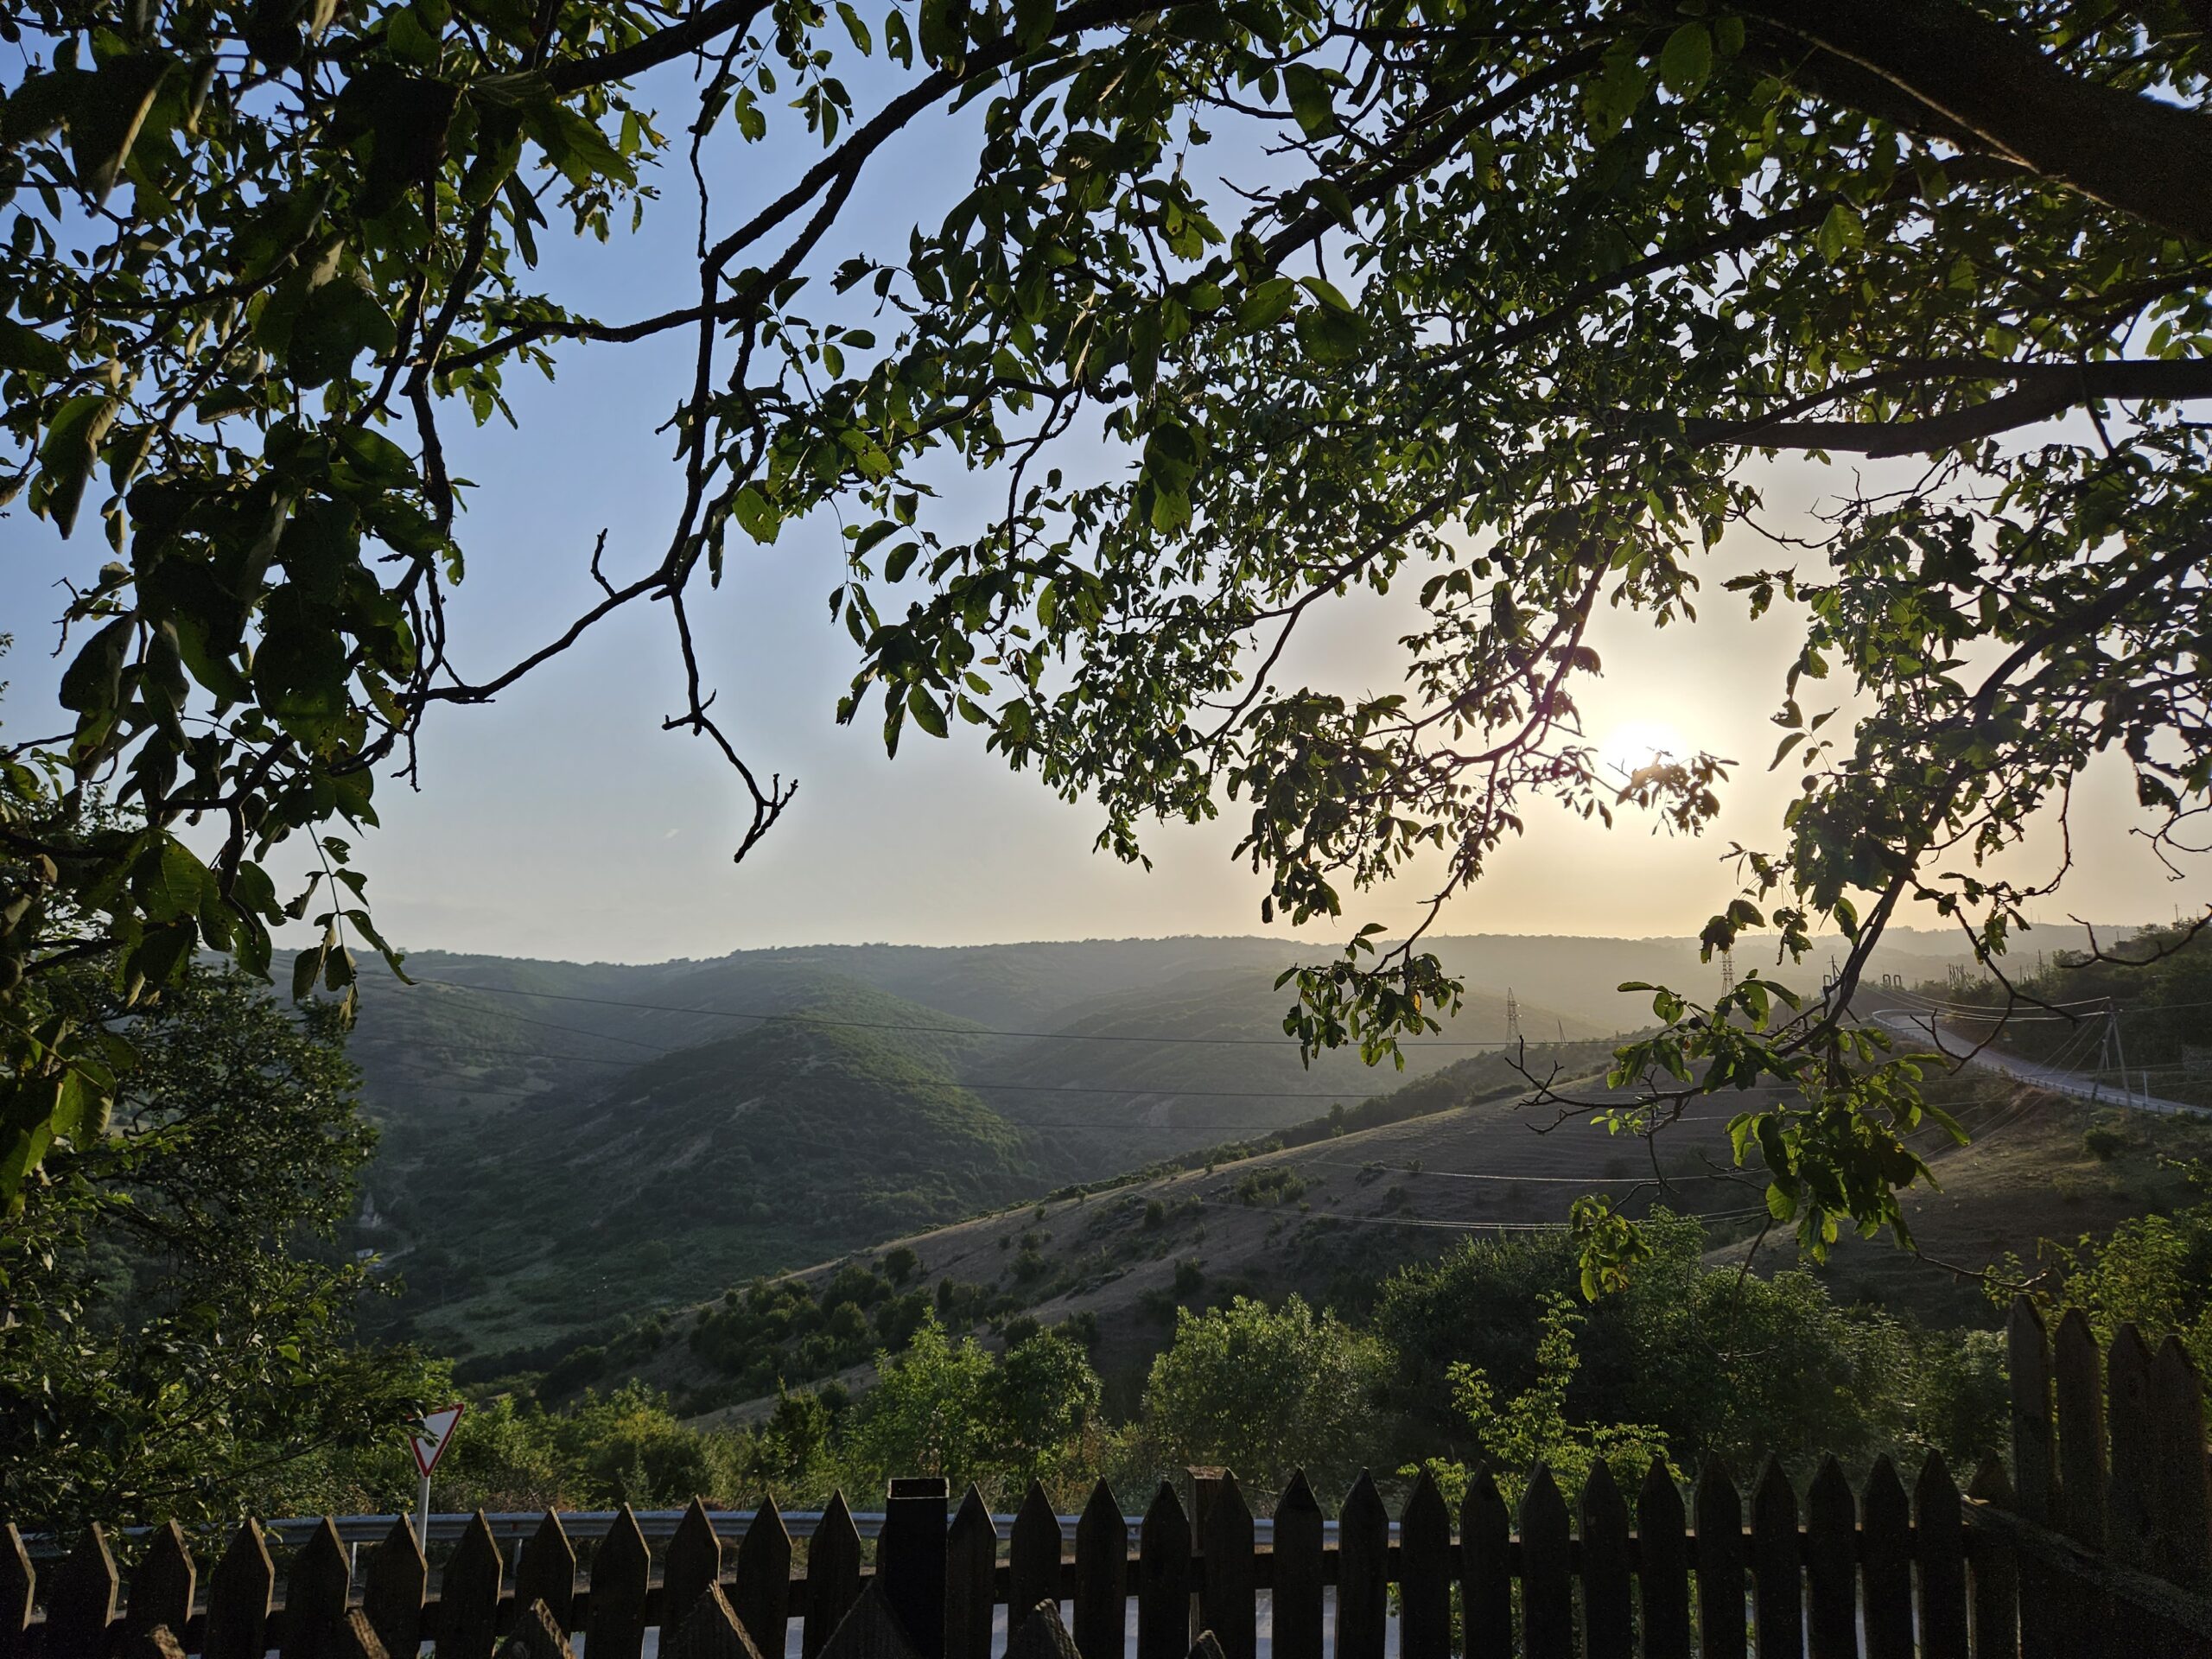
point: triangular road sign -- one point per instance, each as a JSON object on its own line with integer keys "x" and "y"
{"x": 437, "y": 1434}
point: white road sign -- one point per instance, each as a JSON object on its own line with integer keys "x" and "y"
{"x": 437, "y": 1434}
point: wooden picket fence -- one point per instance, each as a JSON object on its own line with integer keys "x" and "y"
{"x": 2103, "y": 1545}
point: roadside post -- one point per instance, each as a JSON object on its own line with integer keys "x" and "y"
{"x": 430, "y": 1445}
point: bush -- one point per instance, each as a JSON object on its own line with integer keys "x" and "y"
{"x": 2103, "y": 1143}
{"x": 1189, "y": 1276}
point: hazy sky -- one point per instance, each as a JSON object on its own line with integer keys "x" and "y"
{"x": 562, "y": 821}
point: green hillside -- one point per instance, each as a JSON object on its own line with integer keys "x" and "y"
{"x": 576, "y": 1211}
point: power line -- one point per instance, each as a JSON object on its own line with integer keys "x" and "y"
{"x": 950, "y": 1031}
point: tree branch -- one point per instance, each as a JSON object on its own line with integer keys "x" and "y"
{"x": 2145, "y": 158}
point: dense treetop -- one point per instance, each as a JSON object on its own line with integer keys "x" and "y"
{"x": 1507, "y": 301}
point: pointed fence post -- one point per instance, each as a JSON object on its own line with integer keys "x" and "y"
{"x": 1424, "y": 1574}
{"x": 910, "y": 1558}
{"x": 317, "y": 1581}
{"x": 1999, "y": 1613}
{"x": 18, "y": 1590}
{"x": 1663, "y": 1564}
{"x": 1229, "y": 1598}
{"x": 535, "y": 1632}
{"x": 621, "y": 1569}
{"x": 1939, "y": 1527}
{"x": 392, "y": 1587}
{"x": 761, "y": 1594}
{"x": 1297, "y": 1597}
{"x": 710, "y": 1629}
{"x": 2035, "y": 1466}
{"x": 238, "y": 1592}
{"x": 1362, "y": 1572}
{"x": 1546, "y": 1575}
{"x": 1608, "y": 1592}
{"x": 1033, "y": 1558}
{"x": 162, "y": 1583}
{"x": 1831, "y": 1567}
{"x": 1721, "y": 1564}
{"x": 2182, "y": 1539}
{"x": 1886, "y": 1563}
{"x": 469, "y": 1595}
{"x": 1486, "y": 1568}
{"x": 1102, "y": 1567}
{"x": 547, "y": 1573}
{"x": 80, "y": 1600}
{"x": 1778, "y": 1595}
{"x": 691, "y": 1566}
{"x": 833, "y": 1575}
{"x": 1164, "y": 1579}
{"x": 972, "y": 1557}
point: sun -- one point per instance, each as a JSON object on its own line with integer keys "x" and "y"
{"x": 1636, "y": 743}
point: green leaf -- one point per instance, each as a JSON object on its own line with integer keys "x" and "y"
{"x": 1264, "y": 306}
{"x": 1840, "y": 231}
{"x": 1032, "y": 22}
{"x": 756, "y": 516}
{"x": 109, "y": 110}
{"x": 926, "y": 713}
{"x": 92, "y": 684}
{"x": 71, "y": 449}
{"x": 1312, "y": 102}
{"x": 1686, "y": 60}
{"x": 24, "y": 347}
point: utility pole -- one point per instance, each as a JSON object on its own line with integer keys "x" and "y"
{"x": 1512, "y": 1017}
{"x": 2119, "y": 1052}
{"x": 1727, "y": 972}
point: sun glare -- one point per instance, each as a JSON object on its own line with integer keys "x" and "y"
{"x": 1637, "y": 743}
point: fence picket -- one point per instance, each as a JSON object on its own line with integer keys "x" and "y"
{"x": 1886, "y": 1563}
{"x": 691, "y": 1566}
{"x": 1608, "y": 1597}
{"x": 1163, "y": 1579}
{"x": 1102, "y": 1569}
{"x": 1486, "y": 1569}
{"x": 80, "y": 1600}
{"x": 911, "y": 1560}
{"x": 350, "y": 1638}
{"x": 1779, "y": 1596}
{"x": 536, "y": 1633}
{"x": 1033, "y": 1558}
{"x": 1424, "y": 1574}
{"x": 469, "y": 1595}
{"x": 971, "y": 1561}
{"x": 238, "y": 1593}
{"x": 1547, "y": 1579}
{"x": 1721, "y": 1628}
{"x": 1228, "y": 1598}
{"x": 2080, "y": 1392}
{"x": 161, "y": 1583}
{"x": 2131, "y": 1500}
{"x": 1362, "y": 1571}
{"x": 622, "y": 1568}
{"x": 1998, "y": 1611}
{"x": 1662, "y": 1564}
{"x": 1831, "y": 1583}
{"x": 547, "y": 1572}
{"x": 2182, "y": 1536}
{"x": 2035, "y": 1462}
{"x": 710, "y": 1628}
{"x": 317, "y": 1581}
{"x": 391, "y": 1589}
{"x": 833, "y": 1575}
{"x": 760, "y": 1592}
{"x": 1298, "y": 1594}
{"x": 1939, "y": 1527}
{"x": 18, "y": 1590}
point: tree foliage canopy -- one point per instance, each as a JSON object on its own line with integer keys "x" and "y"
{"x": 1509, "y": 297}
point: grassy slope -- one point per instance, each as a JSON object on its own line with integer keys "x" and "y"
{"x": 689, "y": 1172}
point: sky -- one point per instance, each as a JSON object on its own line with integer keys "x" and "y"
{"x": 561, "y": 821}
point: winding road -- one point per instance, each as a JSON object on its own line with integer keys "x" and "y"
{"x": 1925, "y": 1028}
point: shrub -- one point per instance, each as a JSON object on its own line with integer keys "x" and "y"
{"x": 1189, "y": 1276}
{"x": 2103, "y": 1143}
